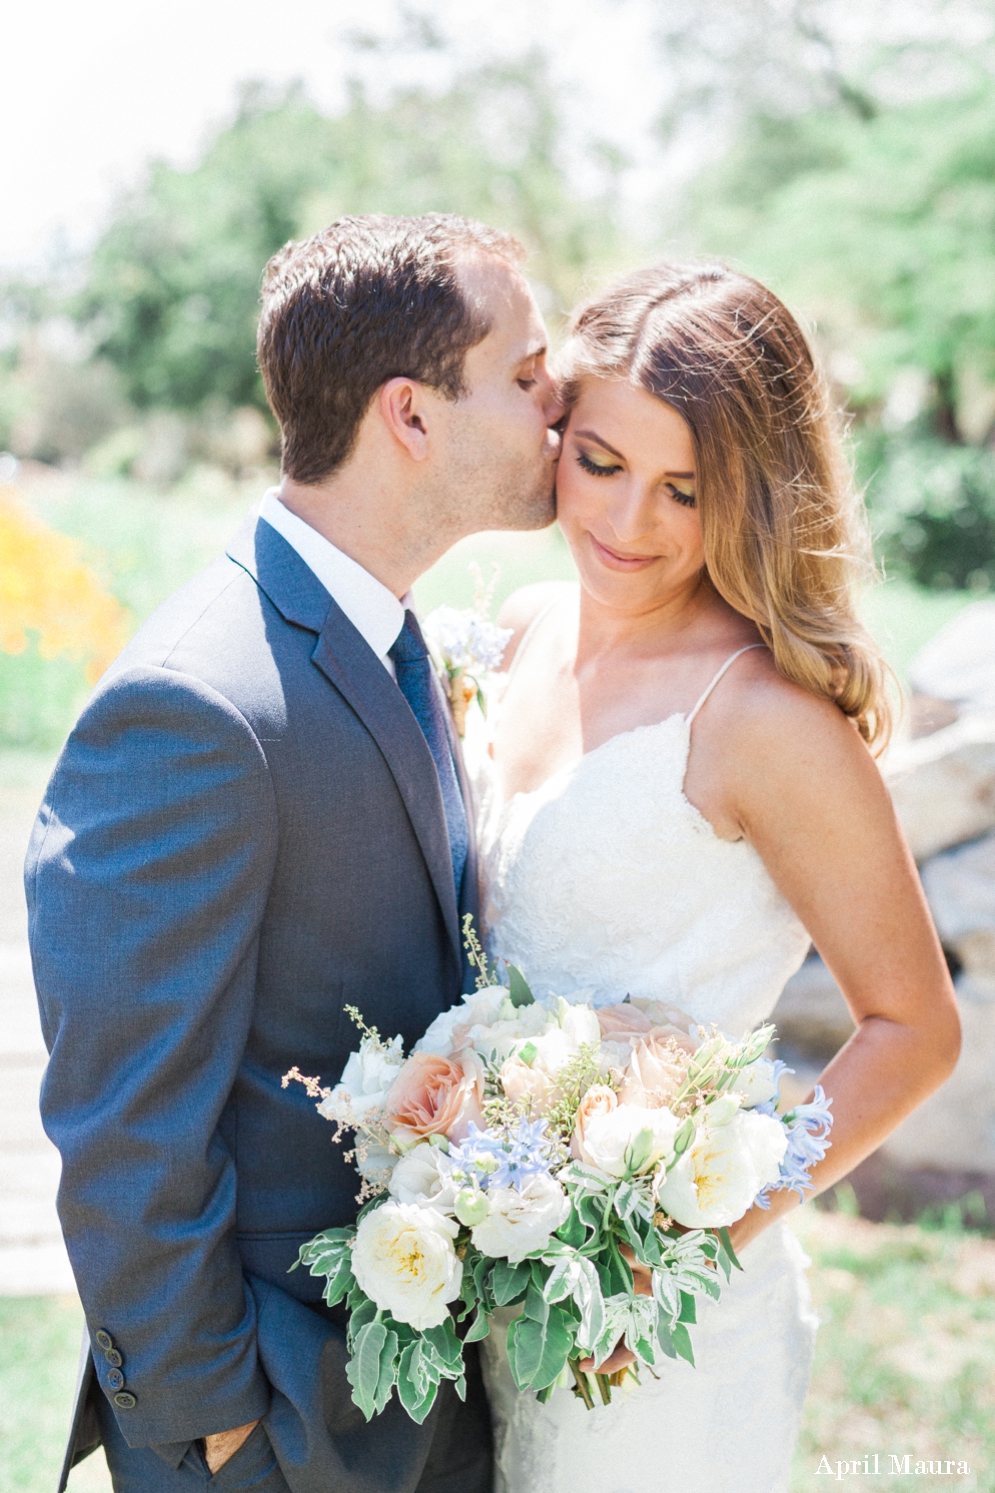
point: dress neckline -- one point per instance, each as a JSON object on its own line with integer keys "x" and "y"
{"x": 687, "y": 716}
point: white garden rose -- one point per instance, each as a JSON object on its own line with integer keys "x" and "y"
{"x": 489, "y": 1023}
{"x": 404, "y": 1260}
{"x": 758, "y": 1083}
{"x": 521, "y": 1221}
{"x": 615, "y": 1139}
{"x": 721, "y": 1172}
{"x": 365, "y": 1080}
{"x": 423, "y": 1177}
{"x": 478, "y": 1009}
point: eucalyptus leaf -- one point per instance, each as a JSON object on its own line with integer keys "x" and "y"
{"x": 518, "y": 987}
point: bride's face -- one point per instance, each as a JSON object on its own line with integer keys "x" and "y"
{"x": 625, "y": 496}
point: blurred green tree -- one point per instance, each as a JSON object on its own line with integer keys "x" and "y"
{"x": 879, "y": 225}
{"x": 882, "y": 228}
{"x": 172, "y": 287}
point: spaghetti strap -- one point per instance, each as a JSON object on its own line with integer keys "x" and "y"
{"x": 729, "y": 661}
{"x": 527, "y": 636}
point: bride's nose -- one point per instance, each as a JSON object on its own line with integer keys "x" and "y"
{"x": 631, "y": 512}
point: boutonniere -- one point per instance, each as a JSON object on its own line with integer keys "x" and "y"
{"x": 467, "y": 647}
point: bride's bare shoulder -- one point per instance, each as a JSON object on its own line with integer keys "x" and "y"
{"x": 523, "y": 607}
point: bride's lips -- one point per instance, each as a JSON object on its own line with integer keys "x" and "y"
{"x": 615, "y": 561}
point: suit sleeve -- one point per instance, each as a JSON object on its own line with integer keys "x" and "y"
{"x": 147, "y": 879}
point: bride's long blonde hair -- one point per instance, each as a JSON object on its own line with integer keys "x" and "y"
{"x": 785, "y": 535}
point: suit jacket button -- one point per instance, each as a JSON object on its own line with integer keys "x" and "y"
{"x": 114, "y": 1358}
{"x": 104, "y": 1340}
{"x": 115, "y": 1379}
{"x": 125, "y": 1400}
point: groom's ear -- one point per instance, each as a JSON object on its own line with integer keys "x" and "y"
{"x": 404, "y": 409}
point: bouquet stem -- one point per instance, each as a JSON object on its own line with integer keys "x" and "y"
{"x": 582, "y": 1384}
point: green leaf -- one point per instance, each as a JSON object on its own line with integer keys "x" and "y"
{"x": 682, "y": 1342}
{"x": 416, "y": 1391}
{"x": 387, "y": 1373}
{"x": 537, "y": 1352}
{"x": 508, "y": 1282}
{"x": 479, "y": 1328}
{"x": 574, "y": 1231}
{"x": 688, "y": 1312}
{"x": 619, "y": 1274}
{"x": 340, "y": 1282}
{"x": 363, "y": 1368}
{"x": 665, "y": 1338}
{"x": 445, "y": 1345}
{"x": 727, "y": 1248}
{"x": 518, "y": 987}
{"x": 536, "y": 1305}
{"x": 360, "y": 1316}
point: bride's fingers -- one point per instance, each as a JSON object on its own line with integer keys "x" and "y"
{"x": 620, "y": 1359}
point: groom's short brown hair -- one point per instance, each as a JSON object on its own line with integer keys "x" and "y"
{"x": 369, "y": 299}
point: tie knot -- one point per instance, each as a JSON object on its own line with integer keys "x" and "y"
{"x": 409, "y": 645}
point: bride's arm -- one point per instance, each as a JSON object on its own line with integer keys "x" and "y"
{"x": 807, "y": 794}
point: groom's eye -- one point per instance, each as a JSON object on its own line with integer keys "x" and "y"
{"x": 596, "y": 468}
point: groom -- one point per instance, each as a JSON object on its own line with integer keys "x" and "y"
{"x": 260, "y": 818}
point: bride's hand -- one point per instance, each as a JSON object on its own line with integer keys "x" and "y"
{"x": 642, "y": 1284}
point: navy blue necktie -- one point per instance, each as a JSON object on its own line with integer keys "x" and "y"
{"x": 414, "y": 679}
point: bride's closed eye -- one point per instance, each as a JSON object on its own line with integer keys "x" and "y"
{"x": 683, "y": 495}
{"x": 596, "y": 468}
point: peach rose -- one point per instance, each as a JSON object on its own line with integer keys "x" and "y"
{"x": 532, "y": 1087}
{"x": 669, "y": 1019}
{"x": 656, "y": 1070}
{"x": 622, "y": 1021}
{"x": 435, "y": 1096}
{"x": 599, "y": 1100}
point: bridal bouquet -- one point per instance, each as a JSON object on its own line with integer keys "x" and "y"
{"x": 524, "y": 1155}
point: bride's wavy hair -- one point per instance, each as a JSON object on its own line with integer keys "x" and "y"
{"x": 786, "y": 536}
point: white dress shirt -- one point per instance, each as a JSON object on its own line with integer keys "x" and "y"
{"x": 374, "y": 612}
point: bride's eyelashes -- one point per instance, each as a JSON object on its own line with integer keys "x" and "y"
{"x": 595, "y": 468}
{"x": 682, "y": 496}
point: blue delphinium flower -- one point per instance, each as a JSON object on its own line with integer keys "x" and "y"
{"x": 808, "y": 1141}
{"x": 505, "y": 1160}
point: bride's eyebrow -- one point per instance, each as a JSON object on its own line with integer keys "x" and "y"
{"x": 591, "y": 435}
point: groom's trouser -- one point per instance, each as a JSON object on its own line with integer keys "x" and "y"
{"x": 459, "y": 1460}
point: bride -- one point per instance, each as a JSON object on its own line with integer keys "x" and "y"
{"x": 686, "y": 797}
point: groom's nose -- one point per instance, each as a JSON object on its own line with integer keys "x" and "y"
{"x": 553, "y": 407}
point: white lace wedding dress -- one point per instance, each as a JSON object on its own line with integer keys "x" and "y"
{"x": 607, "y": 879}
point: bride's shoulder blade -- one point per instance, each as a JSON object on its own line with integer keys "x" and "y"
{"x": 524, "y": 607}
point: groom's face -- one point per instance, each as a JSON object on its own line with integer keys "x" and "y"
{"x": 500, "y": 451}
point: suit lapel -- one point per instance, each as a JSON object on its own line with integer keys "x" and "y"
{"x": 348, "y": 662}
{"x": 358, "y": 675}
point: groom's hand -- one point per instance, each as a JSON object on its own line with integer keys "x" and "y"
{"x": 218, "y": 1448}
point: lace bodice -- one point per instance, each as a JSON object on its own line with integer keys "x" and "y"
{"x": 608, "y": 878}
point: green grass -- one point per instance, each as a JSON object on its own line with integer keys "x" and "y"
{"x": 39, "y": 1349}
{"x": 905, "y": 1356}
{"x": 905, "y": 1360}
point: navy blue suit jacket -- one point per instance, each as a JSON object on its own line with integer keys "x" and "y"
{"x": 243, "y": 835}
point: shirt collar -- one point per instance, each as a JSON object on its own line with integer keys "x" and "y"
{"x": 374, "y": 612}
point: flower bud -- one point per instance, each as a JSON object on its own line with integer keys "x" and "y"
{"x": 721, "y": 1110}
{"x": 471, "y": 1207}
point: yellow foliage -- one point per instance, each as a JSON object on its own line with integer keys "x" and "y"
{"x": 47, "y": 588}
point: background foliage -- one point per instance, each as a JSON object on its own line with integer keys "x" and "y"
{"x": 851, "y": 166}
